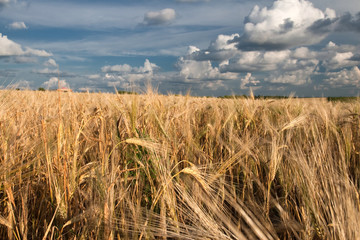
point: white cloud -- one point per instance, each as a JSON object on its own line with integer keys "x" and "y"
{"x": 303, "y": 53}
{"x": 294, "y": 67}
{"x": 333, "y": 47}
{"x": 53, "y": 83}
{"x": 340, "y": 60}
{"x": 193, "y": 49}
{"x": 125, "y": 75}
{"x": 223, "y": 42}
{"x": 50, "y": 63}
{"x": 344, "y": 77}
{"x": 213, "y": 85}
{"x": 147, "y": 68}
{"x": 222, "y": 49}
{"x": 36, "y": 52}
{"x": 296, "y": 77}
{"x": 161, "y": 17}
{"x": 117, "y": 68}
{"x": 290, "y": 67}
{"x": 192, "y": 70}
{"x": 248, "y": 81}
{"x": 338, "y": 56}
{"x": 18, "y": 25}
{"x": 10, "y": 48}
{"x": 126, "y": 68}
{"x": 284, "y": 25}
{"x": 256, "y": 61}
{"x": 94, "y": 76}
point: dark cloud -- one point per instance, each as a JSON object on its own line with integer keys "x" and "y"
{"x": 164, "y": 16}
{"x": 286, "y": 26}
{"x": 355, "y": 58}
{"x": 246, "y": 44}
{"x": 215, "y": 55}
{"x": 4, "y": 3}
{"x": 347, "y": 22}
{"x": 323, "y": 26}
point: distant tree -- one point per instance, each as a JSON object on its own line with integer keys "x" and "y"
{"x": 41, "y": 89}
{"x": 126, "y": 92}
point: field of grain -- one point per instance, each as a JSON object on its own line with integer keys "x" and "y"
{"x": 107, "y": 166}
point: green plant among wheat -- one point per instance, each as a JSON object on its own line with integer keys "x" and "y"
{"x": 110, "y": 166}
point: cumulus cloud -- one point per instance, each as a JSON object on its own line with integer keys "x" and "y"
{"x": 164, "y": 16}
{"x": 283, "y": 25}
{"x": 348, "y": 77}
{"x": 274, "y": 42}
{"x": 223, "y": 42}
{"x": 340, "y": 60}
{"x": 10, "y": 48}
{"x": 338, "y": 56}
{"x": 125, "y": 76}
{"x": 248, "y": 81}
{"x": 18, "y": 25}
{"x": 220, "y": 49}
{"x": 256, "y": 61}
{"x": 290, "y": 67}
{"x": 295, "y": 77}
{"x": 191, "y": 70}
{"x": 346, "y": 22}
{"x": 37, "y": 52}
{"x": 126, "y": 68}
{"x": 303, "y": 53}
{"x": 53, "y": 83}
{"x": 293, "y": 67}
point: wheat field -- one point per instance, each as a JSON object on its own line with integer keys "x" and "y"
{"x": 109, "y": 166}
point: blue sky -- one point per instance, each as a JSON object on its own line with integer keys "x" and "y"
{"x": 310, "y": 48}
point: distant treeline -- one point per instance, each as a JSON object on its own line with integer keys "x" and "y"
{"x": 127, "y": 92}
{"x": 342, "y": 99}
{"x": 255, "y": 97}
{"x": 330, "y": 99}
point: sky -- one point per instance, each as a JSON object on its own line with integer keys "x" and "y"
{"x": 205, "y": 47}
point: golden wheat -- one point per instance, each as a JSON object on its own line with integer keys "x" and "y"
{"x": 106, "y": 166}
